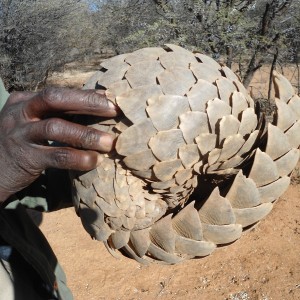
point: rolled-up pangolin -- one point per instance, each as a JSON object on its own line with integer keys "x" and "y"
{"x": 195, "y": 162}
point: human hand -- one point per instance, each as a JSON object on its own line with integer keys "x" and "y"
{"x": 29, "y": 120}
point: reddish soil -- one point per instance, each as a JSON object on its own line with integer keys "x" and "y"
{"x": 264, "y": 264}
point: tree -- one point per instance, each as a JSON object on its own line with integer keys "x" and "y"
{"x": 247, "y": 32}
{"x": 38, "y": 37}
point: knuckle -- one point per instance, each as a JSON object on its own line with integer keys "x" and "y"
{"x": 90, "y": 138}
{"x": 93, "y": 100}
{"x": 16, "y": 97}
{"x": 51, "y": 127}
{"x": 61, "y": 158}
{"x": 11, "y": 116}
{"x": 51, "y": 96}
{"x": 64, "y": 159}
{"x": 13, "y": 97}
{"x": 10, "y": 113}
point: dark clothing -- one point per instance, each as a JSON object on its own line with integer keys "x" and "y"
{"x": 28, "y": 266}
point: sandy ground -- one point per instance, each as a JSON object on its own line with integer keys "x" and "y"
{"x": 264, "y": 264}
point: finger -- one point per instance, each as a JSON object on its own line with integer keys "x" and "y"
{"x": 70, "y": 158}
{"x": 72, "y": 134}
{"x": 91, "y": 102}
{"x": 17, "y": 97}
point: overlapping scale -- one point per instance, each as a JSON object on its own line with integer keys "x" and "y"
{"x": 165, "y": 109}
{"x": 293, "y": 134}
{"x": 205, "y": 72}
{"x": 229, "y": 74}
{"x": 135, "y": 138}
{"x": 239, "y": 104}
{"x": 287, "y": 163}
{"x": 194, "y": 163}
{"x": 278, "y": 143}
{"x": 274, "y": 190}
{"x": 208, "y": 61}
{"x": 187, "y": 223}
{"x": 206, "y": 142}
{"x": 222, "y": 234}
{"x": 176, "y": 81}
{"x": 294, "y": 104}
{"x": 240, "y": 87}
{"x": 248, "y": 121}
{"x": 243, "y": 192}
{"x": 216, "y": 210}
{"x": 143, "y": 73}
{"x": 165, "y": 144}
{"x": 142, "y": 54}
{"x": 192, "y": 124}
{"x": 141, "y": 241}
{"x": 189, "y": 155}
{"x": 283, "y": 88}
{"x": 113, "y": 75}
{"x": 232, "y": 144}
{"x": 229, "y": 125}
{"x": 134, "y": 102}
{"x": 251, "y": 215}
{"x": 172, "y": 59}
{"x": 165, "y": 170}
{"x": 200, "y": 93}
{"x": 216, "y": 109}
{"x": 193, "y": 248}
{"x": 225, "y": 87}
{"x": 285, "y": 116}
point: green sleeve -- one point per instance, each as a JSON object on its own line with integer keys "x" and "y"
{"x": 3, "y": 94}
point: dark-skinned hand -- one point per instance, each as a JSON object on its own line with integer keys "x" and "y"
{"x": 29, "y": 120}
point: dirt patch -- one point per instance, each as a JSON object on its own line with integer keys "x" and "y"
{"x": 264, "y": 264}
{"x": 75, "y": 74}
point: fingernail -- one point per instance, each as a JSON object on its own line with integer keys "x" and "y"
{"x": 111, "y": 105}
{"x": 106, "y": 142}
{"x": 100, "y": 92}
